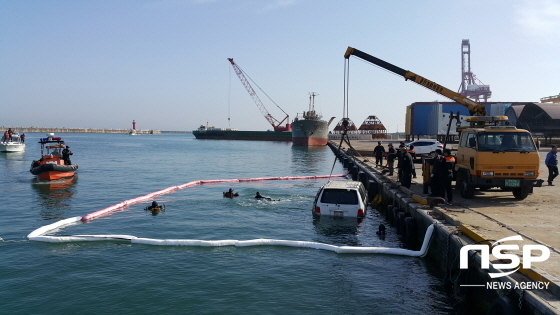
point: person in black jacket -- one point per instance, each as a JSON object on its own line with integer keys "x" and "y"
{"x": 438, "y": 177}
{"x": 378, "y": 152}
{"x": 449, "y": 165}
{"x": 66, "y": 155}
{"x": 391, "y": 156}
{"x": 405, "y": 165}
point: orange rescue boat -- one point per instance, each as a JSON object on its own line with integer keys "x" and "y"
{"x": 55, "y": 160}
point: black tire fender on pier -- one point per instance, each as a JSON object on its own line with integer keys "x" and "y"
{"x": 389, "y": 213}
{"x": 409, "y": 229}
{"x": 502, "y": 306}
{"x": 399, "y": 223}
{"x": 395, "y": 219}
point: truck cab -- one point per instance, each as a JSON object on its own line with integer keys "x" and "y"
{"x": 497, "y": 156}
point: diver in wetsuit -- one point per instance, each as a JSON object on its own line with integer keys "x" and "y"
{"x": 259, "y": 196}
{"x": 230, "y": 194}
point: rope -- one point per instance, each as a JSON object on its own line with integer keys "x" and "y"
{"x": 345, "y": 120}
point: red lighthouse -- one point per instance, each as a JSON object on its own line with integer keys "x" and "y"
{"x": 134, "y": 124}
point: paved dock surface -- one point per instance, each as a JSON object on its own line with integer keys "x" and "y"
{"x": 496, "y": 214}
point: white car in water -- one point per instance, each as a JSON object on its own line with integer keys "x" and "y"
{"x": 341, "y": 198}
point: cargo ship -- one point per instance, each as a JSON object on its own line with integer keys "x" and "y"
{"x": 310, "y": 129}
{"x": 210, "y": 132}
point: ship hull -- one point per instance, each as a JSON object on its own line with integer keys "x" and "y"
{"x": 310, "y": 133}
{"x": 243, "y": 135}
{"x": 53, "y": 171}
{"x": 12, "y": 147}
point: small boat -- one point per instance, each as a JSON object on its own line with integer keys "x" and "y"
{"x": 133, "y": 132}
{"x": 12, "y": 144}
{"x": 52, "y": 165}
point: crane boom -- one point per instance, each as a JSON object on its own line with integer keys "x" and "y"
{"x": 475, "y": 108}
{"x": 276, "y": 124}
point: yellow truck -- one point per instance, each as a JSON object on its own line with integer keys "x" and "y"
{"x": 490, "y": 152}
{"x": 497, "y": 156}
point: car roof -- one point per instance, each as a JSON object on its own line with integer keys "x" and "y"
{"x": 343, "y": 184}
{"x": 434, "y": 141}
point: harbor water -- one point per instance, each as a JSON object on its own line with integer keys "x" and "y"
{"x": 117, "y": 277}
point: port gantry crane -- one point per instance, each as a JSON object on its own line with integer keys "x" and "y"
{"x": 276, "y": 124}
{"x": 471, "y": 86}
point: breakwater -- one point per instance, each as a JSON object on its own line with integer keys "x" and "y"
{"x": 76, "y": 130}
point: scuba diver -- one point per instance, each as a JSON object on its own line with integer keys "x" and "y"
{"x": 230, "y": 194}
{"x": 155, "y": 207}
{"x": 259, "y": 196}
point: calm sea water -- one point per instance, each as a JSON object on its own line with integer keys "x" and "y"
{"x": 114, "y": 277}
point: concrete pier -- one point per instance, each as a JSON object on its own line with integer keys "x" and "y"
{"x": 75, "y": 130}
{"x": 488, "y": 217}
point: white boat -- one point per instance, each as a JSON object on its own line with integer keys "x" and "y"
{"x": 133, "y": 132}
{"x": 12, "y": 144}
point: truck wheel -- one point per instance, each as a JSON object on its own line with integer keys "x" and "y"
{"x": 466, "y": 188}
{"x": 521, "y": 192}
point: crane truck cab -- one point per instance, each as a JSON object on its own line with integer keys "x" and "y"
{"x": 497, "y": 156}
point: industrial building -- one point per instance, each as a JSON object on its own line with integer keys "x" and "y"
{"x": 541, "y": 119}
{"x": 431, "y": 118}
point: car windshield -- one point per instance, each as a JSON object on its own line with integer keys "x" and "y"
{"x": 506, "y": 142}
{"x": 340, "y": 196}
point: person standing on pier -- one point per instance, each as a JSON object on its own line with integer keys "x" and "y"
{"x": 438, "y": 177}
{"x": 551, "y": 162}
{"x": 391, "y": 155}
{"x": 450, "y": 164}
{"x": 378, "y": 152}
{"x": 406, "y": 164}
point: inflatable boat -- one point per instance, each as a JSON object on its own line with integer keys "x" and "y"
{"x": 52, "y": 165}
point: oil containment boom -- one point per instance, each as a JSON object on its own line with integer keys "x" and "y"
{"x": 475, "y": 109}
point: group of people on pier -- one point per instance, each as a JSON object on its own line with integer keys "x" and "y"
{"x": 442, "y": 163}
{"x": 405, "y": 161}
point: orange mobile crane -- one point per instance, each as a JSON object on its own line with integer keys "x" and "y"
{"x": 489, "y": 154}
{"x": 276, "y": 124}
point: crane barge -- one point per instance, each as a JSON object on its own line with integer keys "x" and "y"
{"x": 276, "y": 124}
{"x": 280, "y": 133}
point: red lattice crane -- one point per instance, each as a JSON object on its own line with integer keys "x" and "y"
{"x": 276, "y": 124}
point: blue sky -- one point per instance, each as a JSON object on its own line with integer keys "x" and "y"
{"x": 101, "y": 64}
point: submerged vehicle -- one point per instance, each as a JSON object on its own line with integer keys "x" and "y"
{"x": 490, "y": 154}
{"x": 12, "y": 144}
{"x": 54, "y": 162}
{"x": 341, "y": 198}
{"x": 310, "y": 129}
